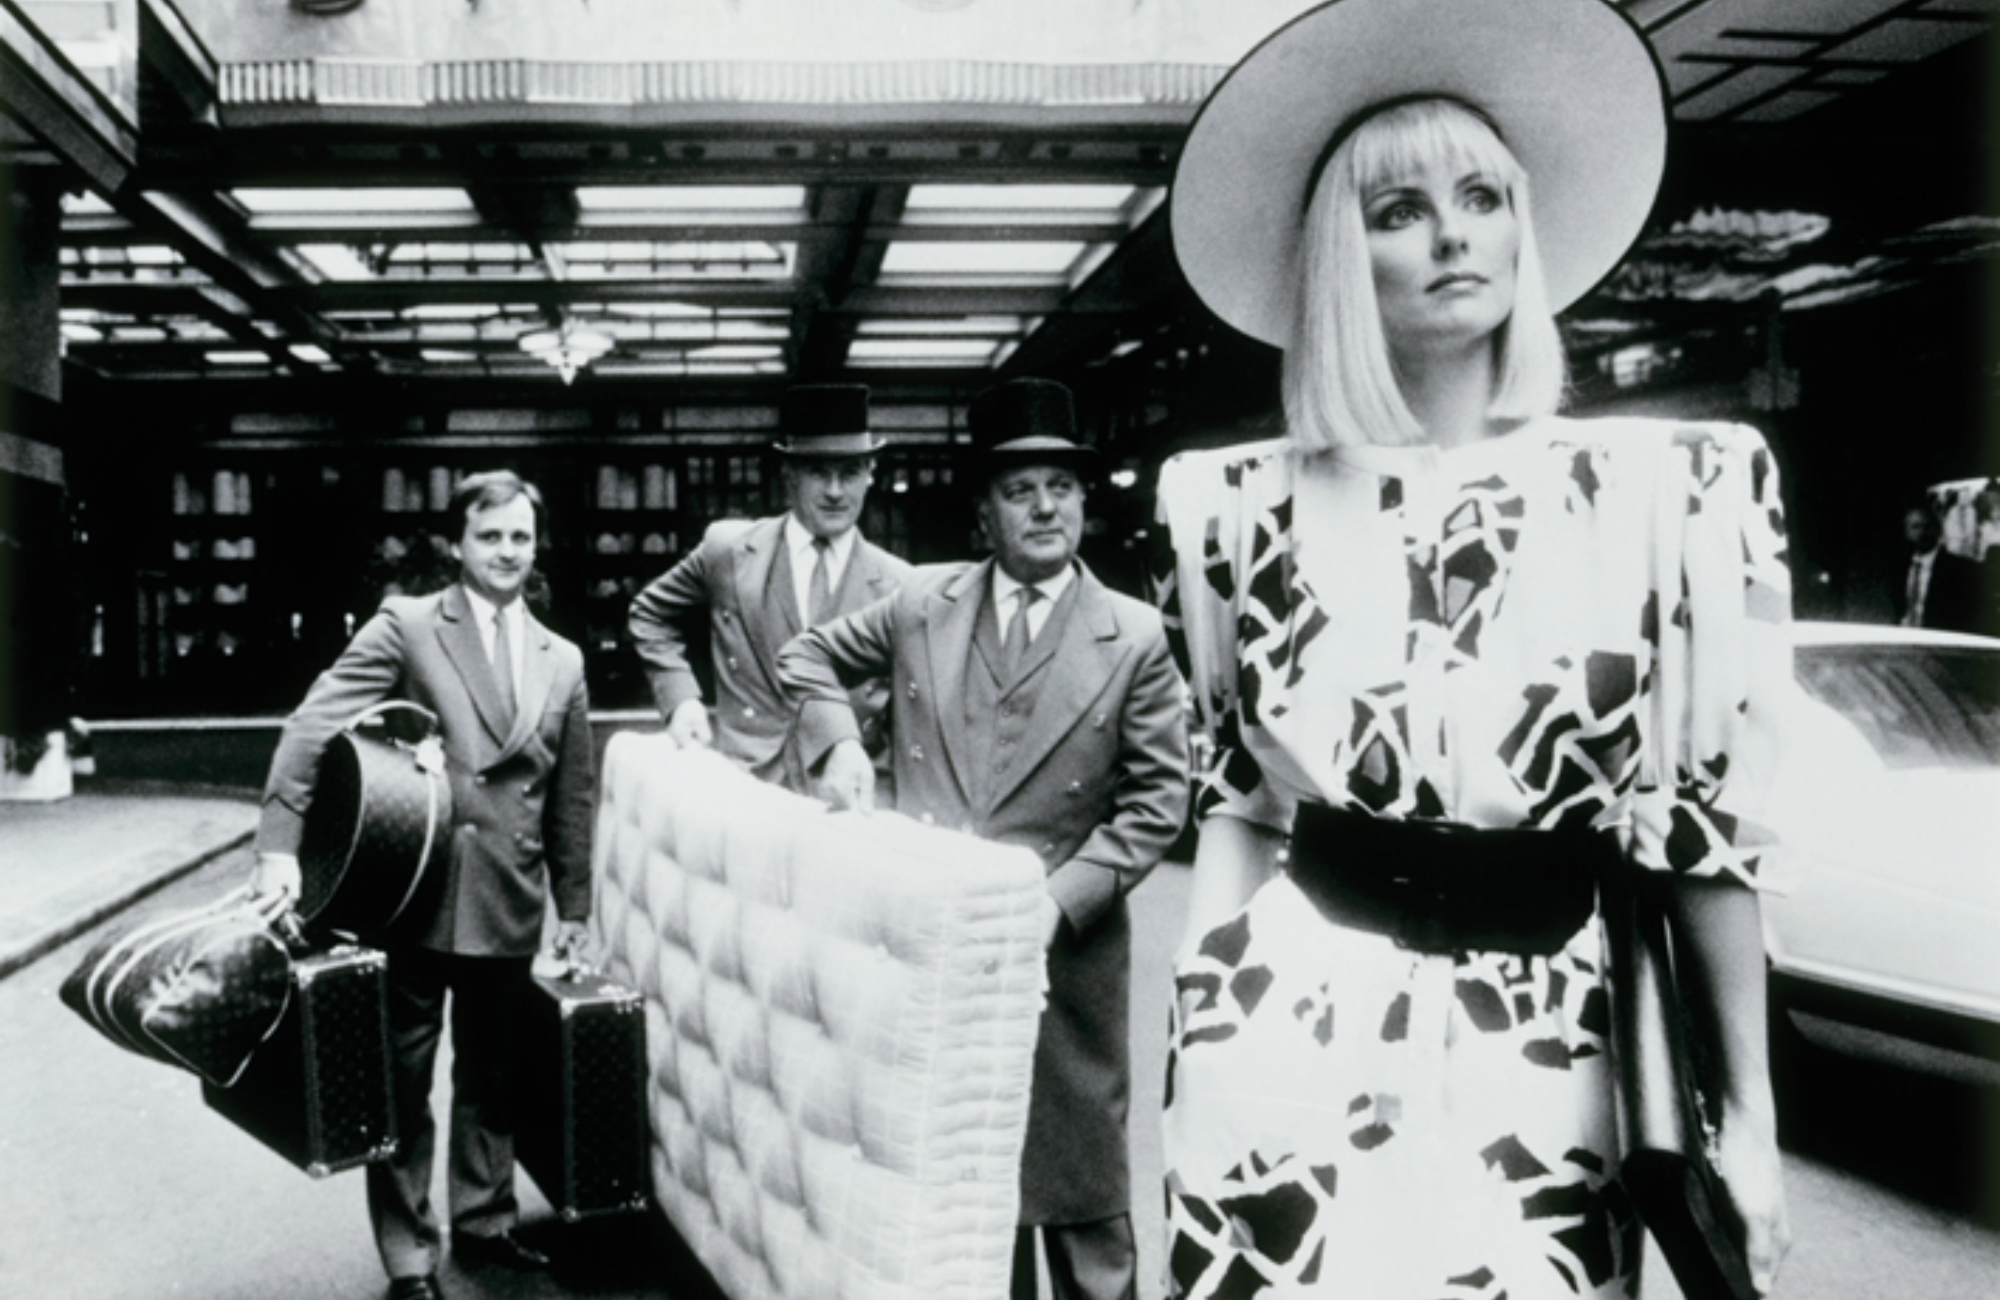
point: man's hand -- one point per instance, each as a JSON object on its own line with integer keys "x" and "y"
{"x": 276, "y": 873}
{"x": 572, "y": 943}
{"x": 847, "y": 778}
{"x": 688, "y": 726}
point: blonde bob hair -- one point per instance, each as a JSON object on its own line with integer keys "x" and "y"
{"x": 1340, "y": 385}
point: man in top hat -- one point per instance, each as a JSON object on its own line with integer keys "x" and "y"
{"x": 757, "y": 583}
{"x": 1035, "y": 707}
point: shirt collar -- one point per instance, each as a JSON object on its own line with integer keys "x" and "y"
{"x": 1052, "y": 589}
{"x": 483, "y": 609}
{"x": 798, "y": 540}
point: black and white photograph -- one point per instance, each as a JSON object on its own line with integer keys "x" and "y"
{"x": 1000, "y": 649}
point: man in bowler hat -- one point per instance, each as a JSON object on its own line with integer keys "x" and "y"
{"x": 1033, "y": 706}
{"x": 514, "y": 718}
{"x": 757, "y": 583}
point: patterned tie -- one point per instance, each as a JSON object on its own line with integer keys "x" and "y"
{"x": 819, "y": 596}
{"x": 503, "y": 662}
{"x": 1015, "y": 648}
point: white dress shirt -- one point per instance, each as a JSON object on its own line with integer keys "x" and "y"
{"x": 483, "y": 611}
{"x": 799, "y": 542}
{"x": 1004, "y": 603}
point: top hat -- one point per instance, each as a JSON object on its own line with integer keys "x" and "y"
{"x": 1571, "y": 85}
{"x": 1026, "y": 422}
{"x": 825, "y": 421}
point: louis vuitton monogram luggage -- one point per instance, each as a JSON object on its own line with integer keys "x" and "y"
{"x": 318, "y": 1091}
{"x": 581, "y": 1127}
{"x": 374, "y": 837}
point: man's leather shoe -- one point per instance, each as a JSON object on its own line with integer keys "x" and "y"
{"x": 501, "y": 1250}
{"x": 415, "y": 1288}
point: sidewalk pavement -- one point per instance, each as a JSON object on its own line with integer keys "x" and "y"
{"x": 69, "y": 864}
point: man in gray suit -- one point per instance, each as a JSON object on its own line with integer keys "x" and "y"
{"x": 755, "y": 584}
{"x": 509, "y": 697}
{"x": 1035, "y": 707}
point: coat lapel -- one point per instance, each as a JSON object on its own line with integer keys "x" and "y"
{"x": 865, "y": 581}
{"x": 756, "y": 555}
{"x": 1086, "y": 655}
{"x": 950, "y": 619}
{"x": 459, "y": 636}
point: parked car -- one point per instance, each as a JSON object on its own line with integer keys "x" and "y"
{"x": 1890, "y": 794}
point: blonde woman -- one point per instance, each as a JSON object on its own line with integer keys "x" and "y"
{"x": 1458, "y": 657}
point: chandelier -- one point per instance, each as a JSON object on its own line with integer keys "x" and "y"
{"x": 567, "y": 348}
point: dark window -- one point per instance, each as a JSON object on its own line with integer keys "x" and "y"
{"x": 1919, "y": 706}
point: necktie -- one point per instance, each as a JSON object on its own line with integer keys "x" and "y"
{"x": 1015, "y": 648}
{"x": 819, "y": 596}
{"x": 503, "y": 662}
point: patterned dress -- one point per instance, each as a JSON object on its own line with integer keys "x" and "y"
{"x": 1577, "y": 622}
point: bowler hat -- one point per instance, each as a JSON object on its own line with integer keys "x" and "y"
{"x": 1025, "y": 422}
{"x": 825, "y": 421}
{"x": 1571, "y": 86}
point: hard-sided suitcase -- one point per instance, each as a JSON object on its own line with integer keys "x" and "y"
{"x": 580, "y": 1125}
{"x": 318, "y": 1092}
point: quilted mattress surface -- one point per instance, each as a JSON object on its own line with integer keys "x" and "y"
{"x": 840, "y": 1023}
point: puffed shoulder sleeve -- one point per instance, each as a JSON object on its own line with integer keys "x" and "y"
{"x": 1201, "y": 508}
{"x": 1721, "y": 599}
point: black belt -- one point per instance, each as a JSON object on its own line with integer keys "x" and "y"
{"x": 1440, "y": 887}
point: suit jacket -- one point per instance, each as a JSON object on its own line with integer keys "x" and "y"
{"x": 1097, "y": 787}
{"x": 728, "y": 581}
{"x": 522, "y": 796}
{"x": 1961, "y": 596}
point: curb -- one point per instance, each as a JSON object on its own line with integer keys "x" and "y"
{"x": 22, "y": 953}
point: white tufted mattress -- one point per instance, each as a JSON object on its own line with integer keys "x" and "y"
{"x": 840, "y": 1019}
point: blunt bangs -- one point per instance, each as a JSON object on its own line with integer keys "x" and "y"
{"x": 1399, "y": 140}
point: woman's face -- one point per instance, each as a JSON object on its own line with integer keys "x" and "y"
{"x": 1443, "y": 242}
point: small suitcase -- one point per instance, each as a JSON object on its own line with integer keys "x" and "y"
{"x": 319, "y": 1091}
{"x": 580, "y": 1127}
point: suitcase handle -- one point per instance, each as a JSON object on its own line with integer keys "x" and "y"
{"x": 380, "y": 710}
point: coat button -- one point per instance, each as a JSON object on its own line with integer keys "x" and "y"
{"x": 1098, "y": 722}
{"x": 749, "y": 713}
{"x": 479, "y": 779}
{"x": 913, "y": 690}
{"x": 1075, "y": 787}
{"x": 917, "y": 753}
{"x": 732, "y": 661}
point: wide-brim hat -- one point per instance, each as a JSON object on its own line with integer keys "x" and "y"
{"x": 1026, "y": 422}
{"x": 1572, "y": 86}
{"x": 825, "y": 422}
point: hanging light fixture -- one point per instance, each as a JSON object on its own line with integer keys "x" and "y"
{"x": 567, "y": 348}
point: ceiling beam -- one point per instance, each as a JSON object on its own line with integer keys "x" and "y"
{"x": 830, "y": 266}
{"x": 42, "y": 90}
{"x": 1130, "y": 288}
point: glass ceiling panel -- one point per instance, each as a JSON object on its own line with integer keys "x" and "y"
{"x": 266, "y": 202}
{"x": 981, "y": 326}
{"x": 922, "y": 351}
{"x": 690, "y": 198}
{"x": 336, "y": 261}
{"x": 950, "y": 257}
{"x": 1108, "y": 200}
